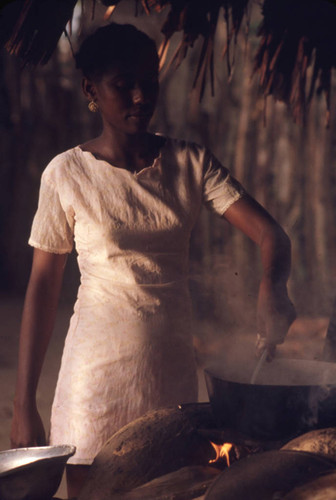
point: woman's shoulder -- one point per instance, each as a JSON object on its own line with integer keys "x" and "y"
{"x": 65, "y": 164}
{"x": 184, "y": 146}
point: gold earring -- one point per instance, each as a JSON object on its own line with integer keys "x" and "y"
{"x": 93, "y": 107}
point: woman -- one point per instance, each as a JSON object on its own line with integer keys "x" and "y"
{"x": 129, "y": 199}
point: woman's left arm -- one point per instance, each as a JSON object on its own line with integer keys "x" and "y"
{"x": 275, "y": 310}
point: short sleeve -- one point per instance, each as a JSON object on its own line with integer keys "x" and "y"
{"x": 220, "y": 188}
{"x": 52, "y": 228}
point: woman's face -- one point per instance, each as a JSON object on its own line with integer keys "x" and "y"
{"x": 126, "y": 95}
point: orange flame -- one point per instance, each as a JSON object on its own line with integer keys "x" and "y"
{"x": 222, "y": 450}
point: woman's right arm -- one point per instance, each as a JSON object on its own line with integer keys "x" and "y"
{"x": 36, "y": 328}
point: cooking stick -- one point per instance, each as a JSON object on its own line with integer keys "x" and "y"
{"x": 258, "y": 367}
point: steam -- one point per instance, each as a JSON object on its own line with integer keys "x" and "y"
{"x": 321, "y": 405}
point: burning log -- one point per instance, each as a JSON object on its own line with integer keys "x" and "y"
{"x": 222, "y": 451}
{"x": 321, "y": 442}
{"x": 158, "y": 443}
{"x": 232, "y": 446}
{"x": 239, "y": 439}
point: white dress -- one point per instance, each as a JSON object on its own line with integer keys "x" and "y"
{"x": 129, "y": 345}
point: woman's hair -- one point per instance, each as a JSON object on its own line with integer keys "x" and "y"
{"x": 110, "y": 45}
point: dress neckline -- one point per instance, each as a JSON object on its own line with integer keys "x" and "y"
{"x": 133, "y": 173}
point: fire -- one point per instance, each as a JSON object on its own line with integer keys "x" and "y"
{"x": 222, "y": 450}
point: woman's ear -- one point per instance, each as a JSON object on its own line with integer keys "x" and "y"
{"x": 88, "y": 88}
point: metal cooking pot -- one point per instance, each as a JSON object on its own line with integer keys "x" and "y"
{"x": 289, "y": 397}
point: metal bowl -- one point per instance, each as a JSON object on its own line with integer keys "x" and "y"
{"x": 32, "y": 473}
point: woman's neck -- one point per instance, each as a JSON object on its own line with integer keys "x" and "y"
{"x": 132, "y": 152}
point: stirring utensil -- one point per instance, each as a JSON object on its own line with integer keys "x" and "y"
{"x": 258, "y": 367}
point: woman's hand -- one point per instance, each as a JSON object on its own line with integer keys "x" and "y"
{"x": 275, "y": 314}
{"x": 27, "y": 428}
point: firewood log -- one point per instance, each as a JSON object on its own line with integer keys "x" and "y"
{"x": 321, "y": 442}
{"x": 183, "y": 484}
{"x": 160, "y": 442}
{"x": 322, "y": 488}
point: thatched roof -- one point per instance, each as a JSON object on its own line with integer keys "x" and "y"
{"x": 295, "y": 58}
{"x": 297, "y": 51}
{"x": 31, "y": 29}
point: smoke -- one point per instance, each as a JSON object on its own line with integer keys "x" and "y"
{"x": 321, "y": 406}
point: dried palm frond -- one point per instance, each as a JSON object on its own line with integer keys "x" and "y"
{"x": 198, "y": 18}
{"x": 295, "y": 58}
{"x": 234, "y": 12}
{"x": 297, "y": 51}
{"x": 31, "y": 29}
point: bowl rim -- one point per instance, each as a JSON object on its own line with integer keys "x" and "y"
{"x": 214, "y": 370}
{"x": 64, "y": 452}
